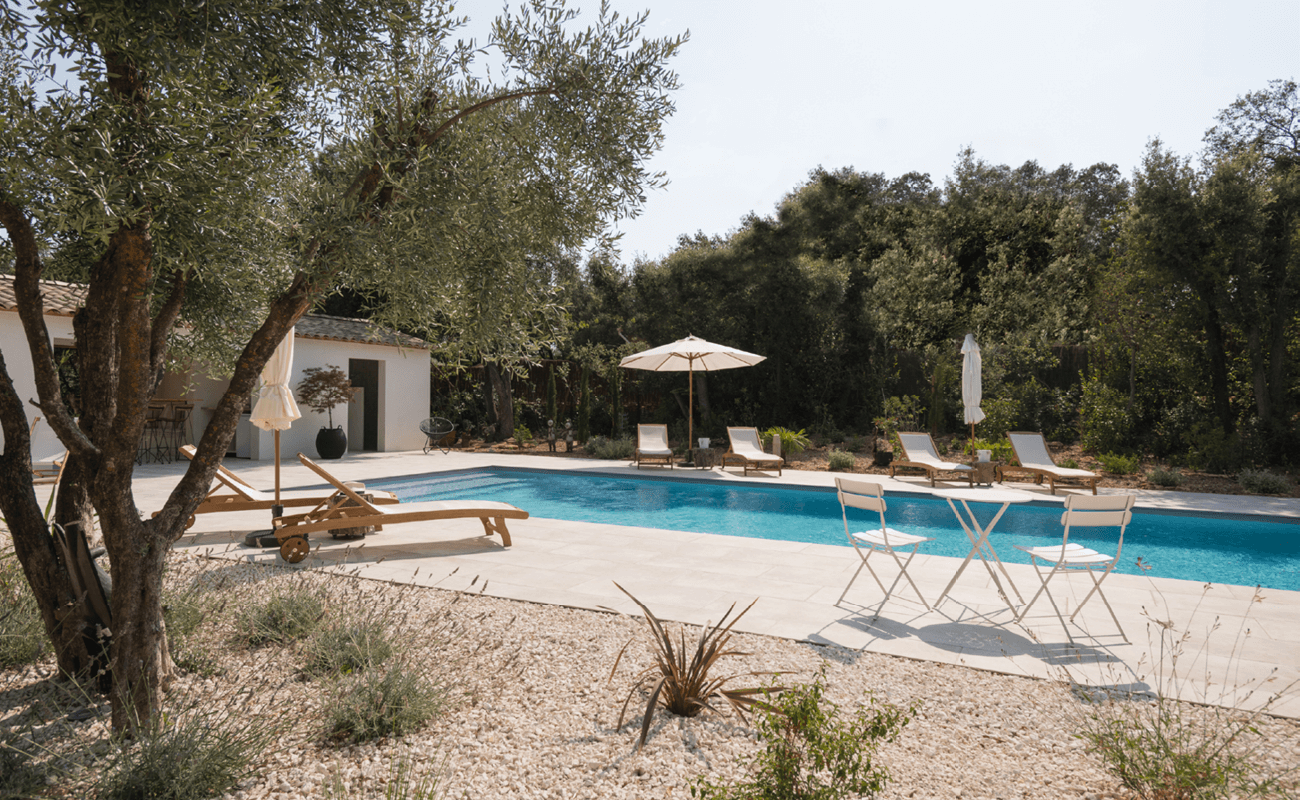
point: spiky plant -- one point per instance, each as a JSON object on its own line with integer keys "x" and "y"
{"x": 680, "y": 679}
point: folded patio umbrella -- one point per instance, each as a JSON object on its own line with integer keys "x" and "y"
{"x": 972, "y": 389}
{"x": 276, "y": 409}
{"x": 688, "y": 355}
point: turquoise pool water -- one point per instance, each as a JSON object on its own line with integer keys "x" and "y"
{"x": 1221, "y": 548}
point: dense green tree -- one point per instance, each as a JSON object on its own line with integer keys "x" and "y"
{"x": 1027, "y": 244}
{"x": 1224, "y": 237}
{"x": 1267, "y": 121}
{"x": 223, "y": 166}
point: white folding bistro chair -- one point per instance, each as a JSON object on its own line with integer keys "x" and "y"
{"x": 1082, "y": 511}
{"x": 870, "y": 497}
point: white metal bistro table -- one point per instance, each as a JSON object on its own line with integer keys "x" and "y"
{"x": 980, "y": 544}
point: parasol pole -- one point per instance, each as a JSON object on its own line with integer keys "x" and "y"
{"x": 690, "y": 405}
{"x": 277, "y": 466}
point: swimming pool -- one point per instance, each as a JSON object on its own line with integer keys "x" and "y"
{"x": 1222, "y": 548}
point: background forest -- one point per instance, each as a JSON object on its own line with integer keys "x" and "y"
{"x": 1154, "y": 314}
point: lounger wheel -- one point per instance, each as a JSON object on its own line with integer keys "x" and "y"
{"x": 294, "y": 549}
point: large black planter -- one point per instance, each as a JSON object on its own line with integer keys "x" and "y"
{"x": 331, "y": 443}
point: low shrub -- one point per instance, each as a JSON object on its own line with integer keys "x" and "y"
{"x": 22, "y": 632}
{"x": 370, "y": 704}
{"x": 810, "y": 752}
{"x": 791, "y": 441}
{"x": 349, "y": 646}
{"x": 198, "y": 756}
{"x": 290, "y": 613}
{"x": 1163, "y": 748}
{"x": 611, "y": 449}
{"x": 523, "y": 435}
{"x": 1117, "y": 464}
{"x": 1070, "y": 463}
{"x": 839, "y": 461}
{"x": 1169, "y": 478}
{"x": 680, "y": 675}
{"x": 1001, "y": 448}
{"x": 184, "y": 614}
{"x": 1263, "y": 482}
{"x": 20, "y": 777}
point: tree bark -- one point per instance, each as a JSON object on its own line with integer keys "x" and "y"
{"x": 37, "y": 553}
{"x": 702, "y": 397}
{"x": 122, "y": 350}
{"x": 1214, "y": 347}
{"x": 503, "y": 401}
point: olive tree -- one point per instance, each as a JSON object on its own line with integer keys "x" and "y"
{"x": 210, "y": 170}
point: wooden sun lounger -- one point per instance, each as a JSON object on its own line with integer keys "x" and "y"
{"x": 919, "y": 452}
{"x": 1035, "y": 459}
{"x": 239, "y": 495}
{"x": 348, "y": 509}
{"x": 747, "y": 450}
{"x": 652, "y": 445}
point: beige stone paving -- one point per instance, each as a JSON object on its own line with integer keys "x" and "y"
{"x": 692, "y": 577}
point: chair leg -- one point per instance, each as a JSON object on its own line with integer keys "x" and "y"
{"x": 903, "y": 573}
{"x": 872, "y": 572}
{"x": 1044, "y": 590}
{"x": 1096, "y": 589}
{"x": 856, "y": 573}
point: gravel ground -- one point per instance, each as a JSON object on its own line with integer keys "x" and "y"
{"x": 531, "y": 707}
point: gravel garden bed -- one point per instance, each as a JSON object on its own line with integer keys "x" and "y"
{"x": 527, "y": 707}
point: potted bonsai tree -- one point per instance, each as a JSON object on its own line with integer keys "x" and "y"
{"x": 321, "y": 390}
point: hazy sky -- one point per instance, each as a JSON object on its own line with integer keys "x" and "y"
{"x": 771, "y": 90}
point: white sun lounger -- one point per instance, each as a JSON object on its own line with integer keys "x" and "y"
{"x": 652, "y": 445}
{"x": 747, "y": 449}
{"x": 919, "y": 453}
{"x": 1032, "y": 453}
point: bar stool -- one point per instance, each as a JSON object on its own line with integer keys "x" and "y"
{"x": 153, "y": 437}
{"x": 182, "y": 430}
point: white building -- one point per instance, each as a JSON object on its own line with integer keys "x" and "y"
{"x": 389, "y": 370}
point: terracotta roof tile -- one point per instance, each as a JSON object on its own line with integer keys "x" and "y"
{"x": 63, "y": 299}
{"x": 343, "y": 329}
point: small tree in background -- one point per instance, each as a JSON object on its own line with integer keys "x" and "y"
{"x": 323, "y": 388}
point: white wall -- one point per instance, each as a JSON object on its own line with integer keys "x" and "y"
{"x": 18, "y": 360}
{"x": 403, "y": 393}
{"x": 403, "y": 398}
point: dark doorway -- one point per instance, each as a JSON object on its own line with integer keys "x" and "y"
{"x": 365, "y": 375}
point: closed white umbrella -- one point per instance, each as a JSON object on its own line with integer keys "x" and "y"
{"x": 972, "y": 388}
{"x": 688, "y": 355}
{"x": 276, "y": 409}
